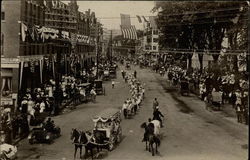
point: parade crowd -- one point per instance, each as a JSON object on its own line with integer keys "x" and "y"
{"x": 137, "y": 91}
{"x": 37, "y": 104}
{"x": 227, "y": 88}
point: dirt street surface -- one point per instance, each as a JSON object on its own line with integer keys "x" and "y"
{"x": 190, "y": 131}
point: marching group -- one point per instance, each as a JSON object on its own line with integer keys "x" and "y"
{"x": 137, "y": 91}
{"x": 228, "y": 88}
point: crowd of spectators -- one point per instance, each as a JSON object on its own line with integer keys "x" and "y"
{"x": 231, "y": 88}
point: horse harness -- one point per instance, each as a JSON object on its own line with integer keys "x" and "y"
{"x": 89, "y": 141}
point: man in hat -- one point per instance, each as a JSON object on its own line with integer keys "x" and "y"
{"x": 24, "y": 105}
{"x": 155, "y": 104}
{"x": 157, "y": 115}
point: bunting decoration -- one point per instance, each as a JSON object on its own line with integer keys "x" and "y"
{"x": 139, "y": 19}
{"x": 65, "y": 34}
{"x": 145, "y": 20}
{"x": 32, "y": 66}
{"x": 21, "y": 74}
{"x": 41, "y": 70}
{"x": 24, "y": 30}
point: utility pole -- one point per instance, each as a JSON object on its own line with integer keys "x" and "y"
{"x": 96, "y": 49}
{"x": 111, "y": 57}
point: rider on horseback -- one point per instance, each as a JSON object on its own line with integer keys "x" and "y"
{"x": 145, "y": 137}
{"x": 157, "y": 115}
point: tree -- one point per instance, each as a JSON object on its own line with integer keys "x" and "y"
{"x": 197, "y": 26}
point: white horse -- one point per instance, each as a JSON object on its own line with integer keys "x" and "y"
{"x": 157, "y": 126}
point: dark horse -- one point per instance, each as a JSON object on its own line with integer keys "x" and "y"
{"x": 88, "y": 140}
{"x": 77, "y": 140}
{"x": 150, "y": 137}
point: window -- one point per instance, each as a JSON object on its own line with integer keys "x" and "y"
{"x": 2, "y": 16}
{"x": 155, "y": 32}
{"x": 154, "y": 47}
{"x": 6, "y": 87}
{"x": 155, "y": 40}
{"x": 2, "y": 43}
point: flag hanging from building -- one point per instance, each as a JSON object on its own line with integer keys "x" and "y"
{"x": 125, "y": 20}
{"x": 145, "y": 20}
{"x": 129, "y": 32}
{"x": 152, "y": 22}
{"x": 139, "y": 19}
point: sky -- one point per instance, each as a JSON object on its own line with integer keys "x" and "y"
{"x": 108, "y": 12}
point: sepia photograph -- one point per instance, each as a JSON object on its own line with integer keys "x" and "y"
{"x": 124, "y": 80}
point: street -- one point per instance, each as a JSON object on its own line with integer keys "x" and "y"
{"x": 190, "y": 131}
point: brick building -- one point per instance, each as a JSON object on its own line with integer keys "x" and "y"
{"x": 13, "y": 50}
{"x": 34, "y": 33}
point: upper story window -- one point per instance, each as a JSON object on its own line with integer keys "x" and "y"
{"x": 155, "y": 32}
{"x": 2, "y": 43}
{"x": 2, "y": 16}
{"x": 155, "y": 40}
{"x": 2, "y": 13}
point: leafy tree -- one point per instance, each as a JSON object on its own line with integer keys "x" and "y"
{"x": 199, "y": 26}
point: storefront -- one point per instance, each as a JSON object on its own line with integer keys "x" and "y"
{"x": 9, "y": 81}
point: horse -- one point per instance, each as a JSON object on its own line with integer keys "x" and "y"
{"x": 150, "y": 137}
{"x": 77, "y": 140}
{"x": 89, "y": 140}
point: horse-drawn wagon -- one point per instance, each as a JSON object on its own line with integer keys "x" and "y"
{"x": 112, "y": 72}
{"x": 184, "y": 87}
{"x": 99, "y": 87}
{"x": 216, "y": 99}
{"x": 106, "y": 75}
{"x": 108, "y": 123}
{"x": 85, "y": 91}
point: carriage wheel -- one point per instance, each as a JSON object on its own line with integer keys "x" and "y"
{"x": 111, "y": 142}
{"x": 119, "y": 136}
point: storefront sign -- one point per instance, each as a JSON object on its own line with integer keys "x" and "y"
{"x": 9, "y": 62}
{"x": 6, "y": 101}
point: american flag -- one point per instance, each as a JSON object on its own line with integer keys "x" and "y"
{"x": 129, "y": 32}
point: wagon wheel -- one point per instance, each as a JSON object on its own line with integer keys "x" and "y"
{"x": 119, "y": 135}
{"x": 111, "y": 142}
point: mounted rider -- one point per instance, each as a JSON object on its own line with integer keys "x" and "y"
{"x": 155, "y": 104}
{"x": 157, "y": 115}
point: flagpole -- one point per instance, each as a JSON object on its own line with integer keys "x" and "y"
{"x": 111, "y": 47}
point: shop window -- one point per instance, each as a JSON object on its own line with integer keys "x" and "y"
{"x": 3, "y": 16}
{"x": 6, "y": 86}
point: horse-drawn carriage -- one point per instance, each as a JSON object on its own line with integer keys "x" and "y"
{"x": 108, "y": 123}
{"x": 106, "y": 75}
{"x": 99, "y": 87}
{"x": 216, "y": 99}
{"x": 112, "y": 72}
{"x": 184, "y": 87}
{"x": 44, "y": 133}
{"x": 85, "y": 92}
